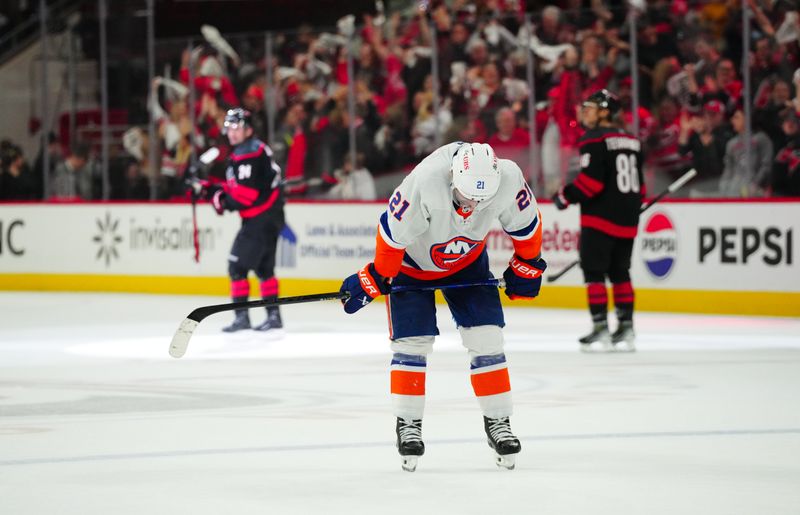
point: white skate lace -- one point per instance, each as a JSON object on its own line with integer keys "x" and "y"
{"x": 409, "y": 431}
{"x": 499, "y": 430}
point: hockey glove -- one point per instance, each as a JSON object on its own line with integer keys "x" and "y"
{"x": 560, "y": 200}
{"x": 363, "y": 287}
{"x": 196, "y": 188}
{"x": 218, "y": 201}
{"x": 523, "y": 277}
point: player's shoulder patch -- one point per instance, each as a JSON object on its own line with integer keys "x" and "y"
{"x": 586, "y": 158}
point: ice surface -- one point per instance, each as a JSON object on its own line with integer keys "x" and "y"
{"x": 97, "y": 418}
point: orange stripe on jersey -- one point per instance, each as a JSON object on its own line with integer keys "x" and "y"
{"x": 532, "y": 247}
{"x": 388, "y": 260}
{"x": 491, "y": 383}
{"x": 408, "y": 383}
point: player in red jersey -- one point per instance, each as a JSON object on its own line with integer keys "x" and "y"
{"x": 609, "y": 189}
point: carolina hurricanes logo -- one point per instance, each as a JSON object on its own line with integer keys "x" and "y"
{"x": 445, "y": 255}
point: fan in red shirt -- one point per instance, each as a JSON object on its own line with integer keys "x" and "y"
{"x": 510, "y": 141}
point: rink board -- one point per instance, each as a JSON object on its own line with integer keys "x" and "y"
{"x": 707, "y": 257}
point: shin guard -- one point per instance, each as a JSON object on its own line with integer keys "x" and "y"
{"x": 598, "y": 301}
{"x": 623, "y": 301}
{"x": 491, "y": 384}
{"x": 408, "y": 385}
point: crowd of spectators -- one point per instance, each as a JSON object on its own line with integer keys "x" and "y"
{"x": 690, "y": 76}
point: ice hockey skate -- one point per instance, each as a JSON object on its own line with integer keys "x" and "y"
{"x": 240, "y": 323}
{"x": 273, "y": 323}
{"x": 599, "y": 340}
{"x": 409, "y": 442}
{"x": 624, "y": 339}
{"x": 505, "y": 445}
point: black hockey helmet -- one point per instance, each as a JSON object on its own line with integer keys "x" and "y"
{"x": 237, "y": 116}
{"x": 604, "y": 99}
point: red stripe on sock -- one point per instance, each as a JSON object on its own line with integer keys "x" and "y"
{"x": 240, "y": 288}
{"x": 597, "y": 293}
{"x": 269, "y": 288}
{"x": 623, "y": 292}
{"x": 625, "y": 287}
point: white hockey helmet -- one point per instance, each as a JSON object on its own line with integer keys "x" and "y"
{"x": 476, "y": 174}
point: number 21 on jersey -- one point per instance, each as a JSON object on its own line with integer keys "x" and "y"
{"x": 627, "y": 173}
{"x": 396, "y": 201}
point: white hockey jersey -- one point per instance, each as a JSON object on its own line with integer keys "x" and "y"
{"x": 423, "y": 235}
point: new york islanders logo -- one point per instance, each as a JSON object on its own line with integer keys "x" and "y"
{"x": 659, "y": 245}
{"x": 445, "y": 255}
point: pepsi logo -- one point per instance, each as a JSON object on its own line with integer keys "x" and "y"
{"x": 445, "y": 255}
{"x": 659, "y": 245}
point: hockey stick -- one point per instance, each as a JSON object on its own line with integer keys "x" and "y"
{"x": 675, "y": 186}
{"x": 301, "y": 185}
{"x": 207, "y": 157}
{"x": 301, "y": 181}
{"x": 499, "y": 283}
{"x": 672, "y": 188}
{"x": 180, "y": 341}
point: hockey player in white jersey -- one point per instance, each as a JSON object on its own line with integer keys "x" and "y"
{"x": 434, "y": 233}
